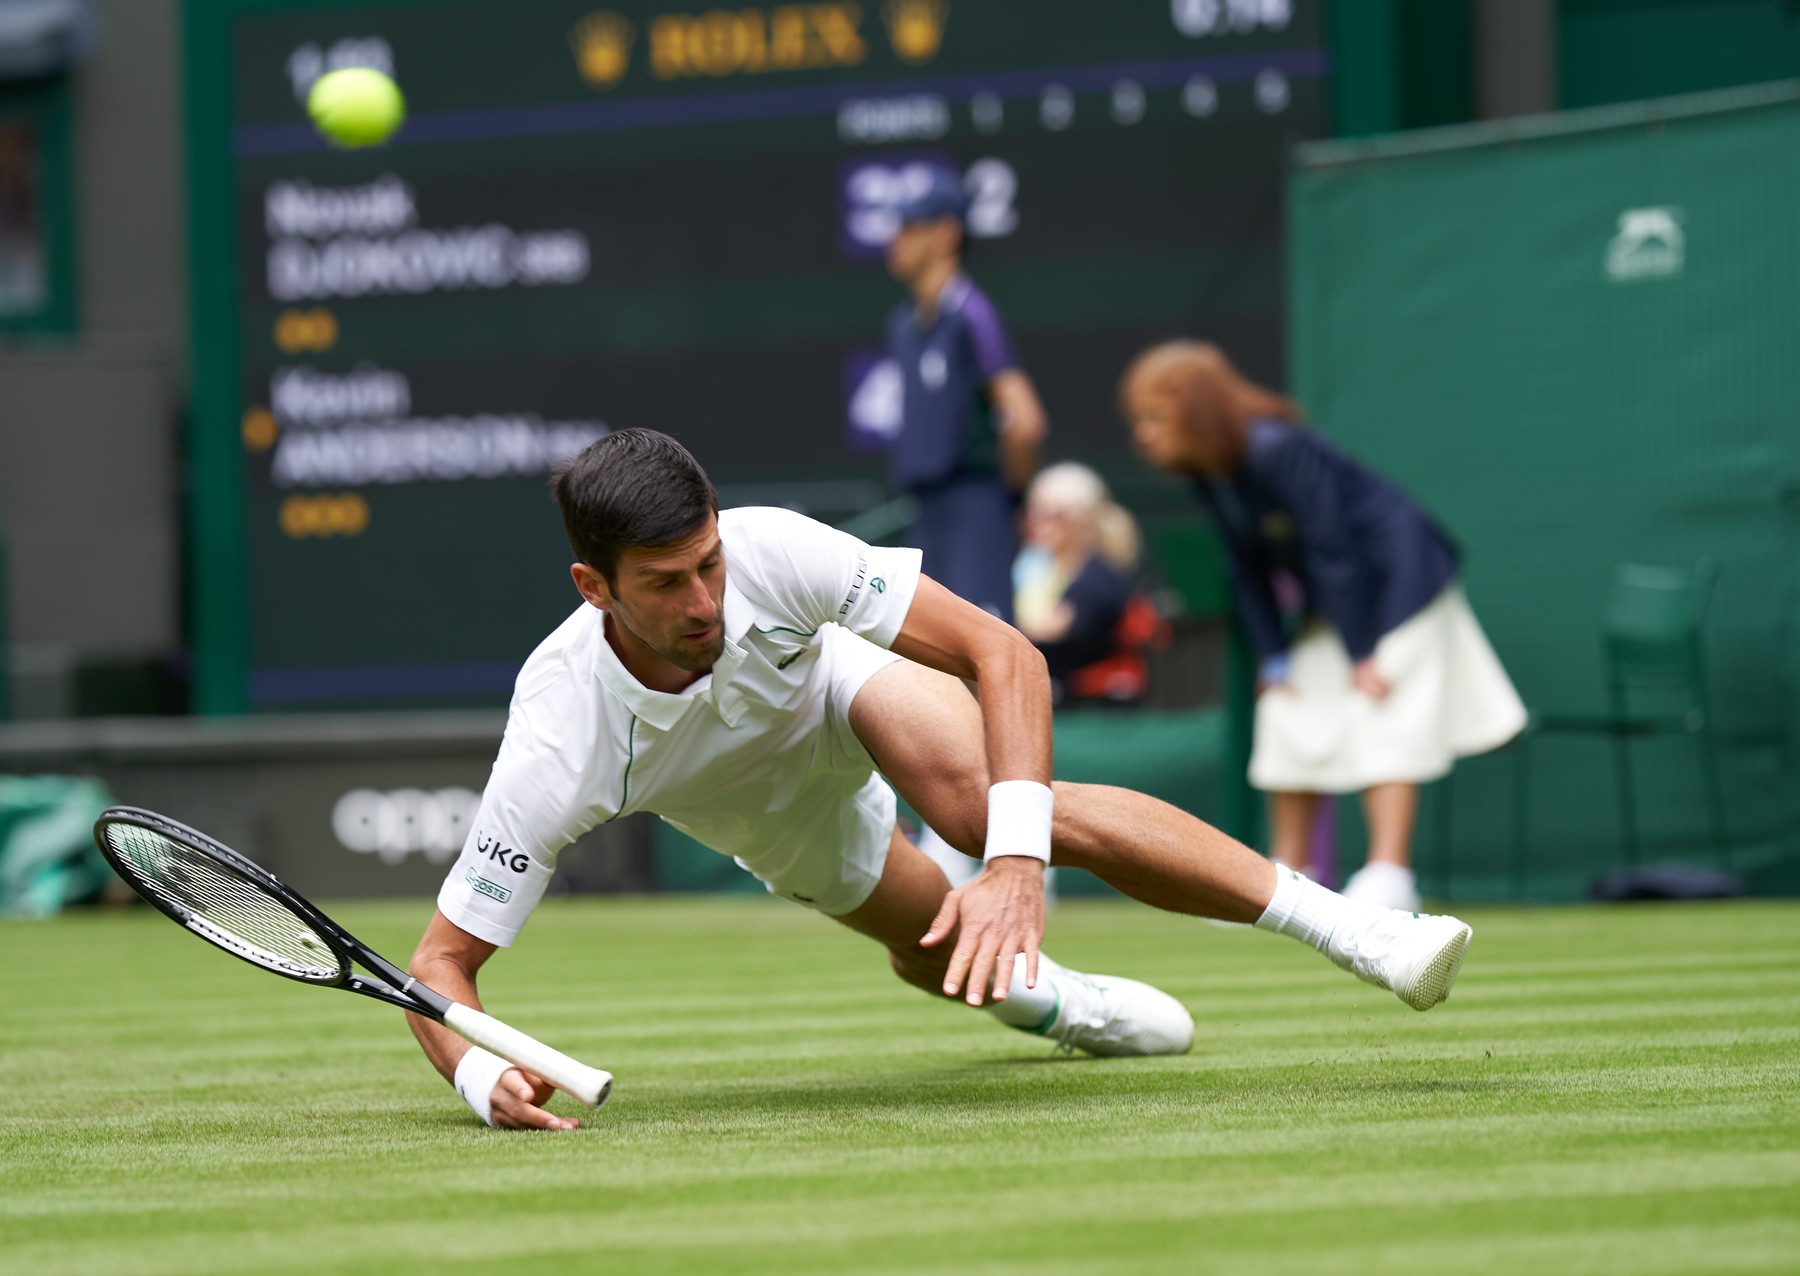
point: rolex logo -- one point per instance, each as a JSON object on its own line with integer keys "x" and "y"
{"x": 915, "y": 27}
{"x": 602, "y": 44}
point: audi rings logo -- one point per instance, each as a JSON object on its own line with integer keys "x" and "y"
{"x": 433, "y": 823}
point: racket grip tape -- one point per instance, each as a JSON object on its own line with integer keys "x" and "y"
{"x": 590, "y": 1085}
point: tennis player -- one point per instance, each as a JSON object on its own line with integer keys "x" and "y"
{"x": 752, "y": 676}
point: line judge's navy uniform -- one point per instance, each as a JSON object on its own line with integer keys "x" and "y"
{"x": 947, "y": 453}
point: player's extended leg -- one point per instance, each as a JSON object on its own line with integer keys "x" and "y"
{"x": 925, "y": 734}
{"x": 1098, "y": 1013}
{"x": 924, "y": 731}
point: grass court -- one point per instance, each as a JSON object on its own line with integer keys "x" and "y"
{"x": 1609, "y": 1090}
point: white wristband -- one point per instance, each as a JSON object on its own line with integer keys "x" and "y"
{"x": 1019, "y": 819}
{"x": 476, "y": 1077}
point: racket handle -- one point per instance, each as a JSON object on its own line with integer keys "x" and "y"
{"x": 590, "y": 1085}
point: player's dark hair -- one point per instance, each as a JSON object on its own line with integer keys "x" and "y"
{"x": 630, "y": 489}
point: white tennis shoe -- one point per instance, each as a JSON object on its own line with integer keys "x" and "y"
{"x": 1107, "y": 1015}
{"x": 1414, "y": 955}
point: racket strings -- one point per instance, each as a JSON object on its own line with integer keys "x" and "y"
{"x": 222, "y": 906}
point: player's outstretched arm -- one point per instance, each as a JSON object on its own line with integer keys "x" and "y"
{"x": 446, "y": 959}
{"x": 1001, "y": 913}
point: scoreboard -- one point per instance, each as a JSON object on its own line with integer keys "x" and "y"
{"x": 660, "y": 214}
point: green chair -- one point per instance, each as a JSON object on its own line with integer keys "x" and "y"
{"x": 1651, "y": 640}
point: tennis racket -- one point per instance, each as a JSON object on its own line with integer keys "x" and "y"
{"x": 243, "y": 908}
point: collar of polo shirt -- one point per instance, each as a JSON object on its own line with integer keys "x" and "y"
{"x": 954, "y": 292}
{"x": 662, "y": 710}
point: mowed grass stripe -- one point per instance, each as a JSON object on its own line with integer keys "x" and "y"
{"x": 1607, "y": 1091}
{"x": 1286, "y": 1230}
{"x": 1722, "y": 1147}
{"x": 1289, "y": 1030}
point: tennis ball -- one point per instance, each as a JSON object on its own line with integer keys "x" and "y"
{"x": 357, "y": 106}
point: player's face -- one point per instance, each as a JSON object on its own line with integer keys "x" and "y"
{"x": 1157, "y": 431}
{"x": 667, "y": 603}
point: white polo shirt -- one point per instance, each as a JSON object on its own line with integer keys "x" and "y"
{"x": 755, "y": 760}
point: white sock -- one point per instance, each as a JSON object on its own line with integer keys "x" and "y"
{"x": 1033, "y": 1009}
{"x": 1306, "y": 910}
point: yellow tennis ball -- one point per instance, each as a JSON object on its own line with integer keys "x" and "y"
{"x": 357, "y": 106}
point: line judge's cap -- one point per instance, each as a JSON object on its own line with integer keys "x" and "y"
{"x": 941, "y": 196}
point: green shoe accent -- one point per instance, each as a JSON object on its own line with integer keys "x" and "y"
{"x": 1043, "y": 1029}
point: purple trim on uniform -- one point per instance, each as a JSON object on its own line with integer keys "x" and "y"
{"x": 993, "y": 352}
{"x": 947, "y": 423}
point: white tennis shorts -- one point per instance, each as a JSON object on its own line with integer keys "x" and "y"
{"x": 826, "y": 847}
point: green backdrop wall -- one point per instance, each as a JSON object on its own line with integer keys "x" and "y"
{"x": 1627, "y": 50}
{"x": 1573, "y": 338}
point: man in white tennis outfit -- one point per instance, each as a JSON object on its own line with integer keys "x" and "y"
{"x": 752, "y": 676}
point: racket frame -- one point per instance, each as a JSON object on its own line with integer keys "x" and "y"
{"x": 384, "y": 980}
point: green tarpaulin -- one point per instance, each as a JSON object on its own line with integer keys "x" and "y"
{"x": 1577, "y": 340}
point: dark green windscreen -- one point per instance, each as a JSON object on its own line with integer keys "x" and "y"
{"x": 1577, "y": 345}
{"x": 1628, "y": 50}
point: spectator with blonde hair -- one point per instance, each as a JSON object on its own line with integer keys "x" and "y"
{"x": 1074, "y": 578}
{"x": 1375, "y": 675}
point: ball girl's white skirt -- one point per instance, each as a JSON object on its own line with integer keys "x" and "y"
{"x": 1451, "y": 699}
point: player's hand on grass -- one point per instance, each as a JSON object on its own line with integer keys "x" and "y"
{"x": 517, "y": 1103}
{"x": 994, "y": 918}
